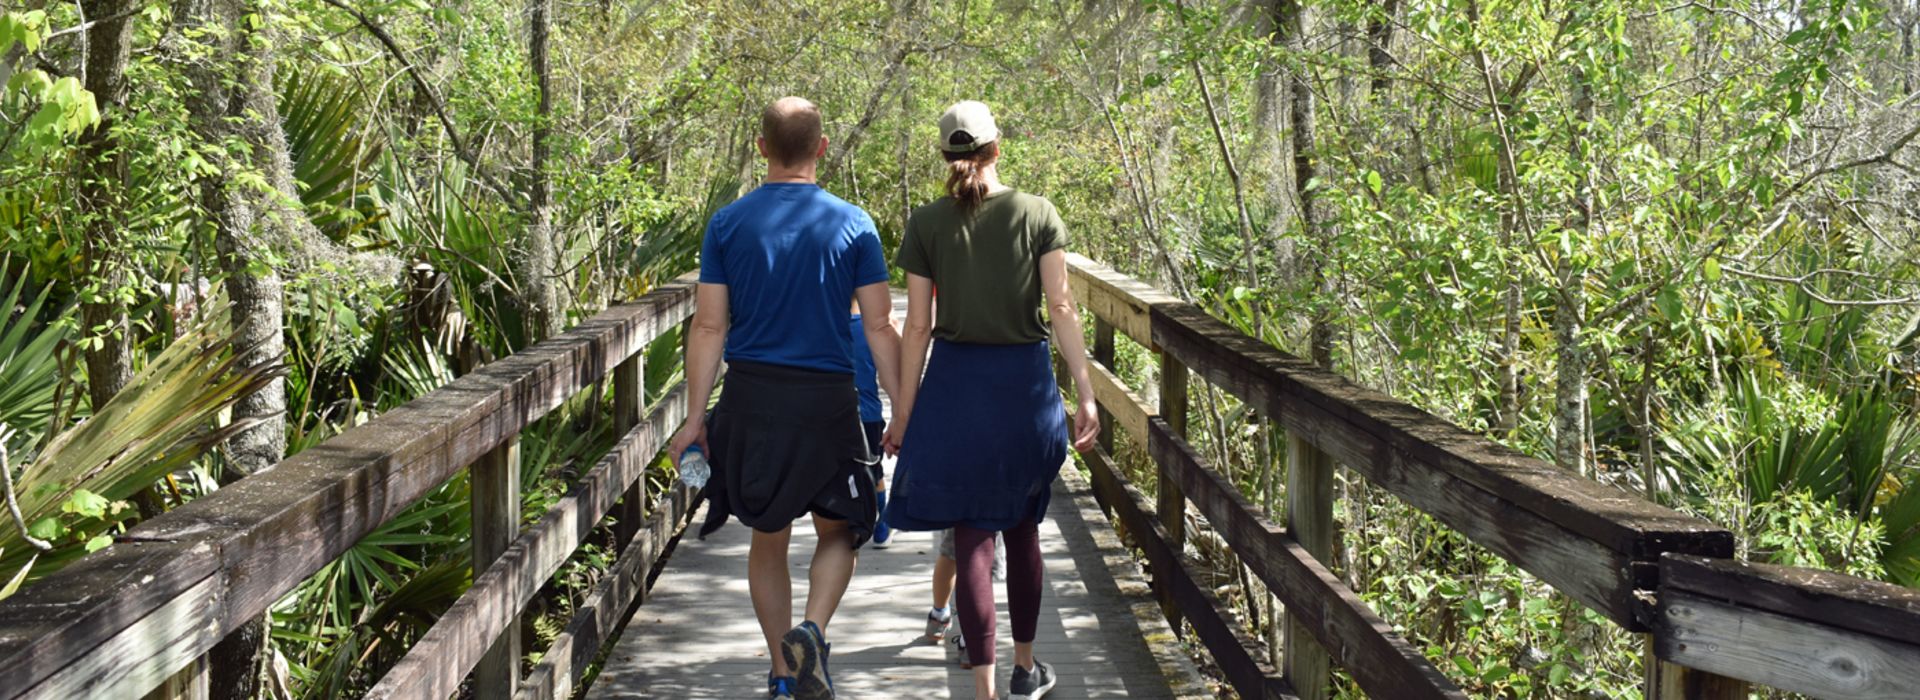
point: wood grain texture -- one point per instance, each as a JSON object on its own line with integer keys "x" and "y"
{"x": 1118, "y": 402}
{"x": 1121, "y": 300}
{"x": 1832, "y": 599}
{"x": 1380, "y": 660}
{"x": 268, "y": 532}
{"x": 433, "y": 668}
{"x": 1310, "y": 522}
{"x": 1788, "y": 653}
{"x": 495, "y": 501}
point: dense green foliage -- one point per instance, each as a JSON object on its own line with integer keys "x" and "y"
{"x": 1669, "y": 245}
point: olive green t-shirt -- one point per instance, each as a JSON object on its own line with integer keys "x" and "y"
{"x": 985, "y": 266}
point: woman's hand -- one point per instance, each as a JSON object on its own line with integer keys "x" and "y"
{"x": 692, "y": 432}
{"x": 1086, "y": 424}
{"x": 896, "y": 435}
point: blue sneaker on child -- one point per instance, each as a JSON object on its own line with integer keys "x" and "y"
{"x": 882, "y": 535}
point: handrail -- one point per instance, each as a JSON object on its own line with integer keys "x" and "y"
{"x": 121, "y": 621}
{"x": 1645, "y": 567}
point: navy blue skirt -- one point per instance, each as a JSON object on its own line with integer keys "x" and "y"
{"x": 986, "y": 439}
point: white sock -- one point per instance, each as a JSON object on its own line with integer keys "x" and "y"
{"x": 941, "y": 614}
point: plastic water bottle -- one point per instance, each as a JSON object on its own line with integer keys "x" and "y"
{"x": 694, "y": 470}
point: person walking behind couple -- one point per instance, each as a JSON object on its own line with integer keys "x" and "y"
{"x": 983, "y": 435}
{"x": 776, "y": 270}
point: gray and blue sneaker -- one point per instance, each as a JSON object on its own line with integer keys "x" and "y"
{"x": 1031, "y": 684}
{"x": 780, "y": 688}
{"x": 806, "y": 648}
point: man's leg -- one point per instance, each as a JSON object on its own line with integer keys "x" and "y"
{"x": 832, "y": 569}
{"x": 772, "y": 590}
{"x": 944, "y": 570}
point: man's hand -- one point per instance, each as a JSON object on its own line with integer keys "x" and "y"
{"x": 692, "y": 432}
{"x": 1086, "y": 425}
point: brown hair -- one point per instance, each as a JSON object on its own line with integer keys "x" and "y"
{"x": 967, "y": 174}
{"x": 791, "y": 127}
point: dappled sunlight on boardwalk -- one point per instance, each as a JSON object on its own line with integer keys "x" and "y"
{"x": 696, "y": 637}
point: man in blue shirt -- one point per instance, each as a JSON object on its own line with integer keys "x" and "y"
{"x": 776, "y": 269}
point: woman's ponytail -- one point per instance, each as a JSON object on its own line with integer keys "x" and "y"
{"x": 967, "y": 175}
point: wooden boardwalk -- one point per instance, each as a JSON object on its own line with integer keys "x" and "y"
{"x": 696, "y": 637}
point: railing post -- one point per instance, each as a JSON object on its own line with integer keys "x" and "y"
{"x": 629, "y": 392}
{"x": 1172, "y": 504}
{"x": 1670, "y": 681}
{"x": 1103, "y": 354}
{"x": 1310, "y": 520}
{"x": 190, "y": 683}
{"x": 495, "y": 500}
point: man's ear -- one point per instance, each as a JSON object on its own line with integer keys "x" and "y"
{"x": 822, "y": 152}
{"x": 761, "y": 142}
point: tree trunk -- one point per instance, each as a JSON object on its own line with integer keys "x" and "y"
{"x": 1290, "y": 31}
{"x": 545, "y": 317}
{"x": 234, "y": 99}
{"x": 1570, "y": 420}
{"x": 1379, "y": 47}
{"x": 109, "y": 366}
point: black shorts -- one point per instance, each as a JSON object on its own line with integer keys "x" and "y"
{"x": 785, "y": 442}
{"x": 876, "y": 432}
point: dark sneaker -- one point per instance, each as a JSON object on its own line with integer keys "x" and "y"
{"x": 1031, "y": 684}
{"x": 937, "y": 628}
{"x": 805, "y": 649}
{"x": 780, "y": 688}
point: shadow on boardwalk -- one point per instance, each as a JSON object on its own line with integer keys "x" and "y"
{"x": 696, "y": 637}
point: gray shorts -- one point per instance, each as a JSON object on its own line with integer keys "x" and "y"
{"x": 943, "y": 545}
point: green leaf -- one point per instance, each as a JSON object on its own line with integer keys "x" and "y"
{"x": 1669, "y": 302}
{"x": 1373, "y": 181}
{"x": 47, "y": 529}
{"x": 99, "y": 542}
{"x": 19, "y": 577}
{"x": 87, "y": 503}
{"x": 1711, "y": 270}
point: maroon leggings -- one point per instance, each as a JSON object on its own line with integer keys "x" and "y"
{"x": 973, "y": 552}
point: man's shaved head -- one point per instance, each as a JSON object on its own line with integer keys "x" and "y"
{"x": 791, "y": 128}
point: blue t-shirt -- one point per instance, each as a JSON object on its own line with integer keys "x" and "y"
{"x": 865, "y": 377}
{"x": 791, "y": 255}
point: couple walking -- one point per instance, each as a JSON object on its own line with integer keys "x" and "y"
{"x": 978, "y": 425}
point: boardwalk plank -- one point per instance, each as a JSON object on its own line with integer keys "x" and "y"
{"x": 696, "y": 637}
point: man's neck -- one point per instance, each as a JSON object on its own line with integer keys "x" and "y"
{"x": 803, "y": 173}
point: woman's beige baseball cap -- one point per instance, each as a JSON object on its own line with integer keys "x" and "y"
{"x": 966, "y": 126}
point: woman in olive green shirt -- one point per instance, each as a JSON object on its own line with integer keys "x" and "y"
{"x": 983, "y": 435}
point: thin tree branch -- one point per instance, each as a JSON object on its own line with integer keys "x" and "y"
{"x": 13, "y": 505}
{"x": 439, "y": 107}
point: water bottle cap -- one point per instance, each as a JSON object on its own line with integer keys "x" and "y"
{"x": 694, "y": 449}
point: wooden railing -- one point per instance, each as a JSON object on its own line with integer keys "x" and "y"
{"x": 138, "y": 617}
{"x": 1713, "y": 622}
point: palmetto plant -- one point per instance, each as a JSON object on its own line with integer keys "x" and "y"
{"x": 29, "y": 372}
{"x": 72, "y": 493}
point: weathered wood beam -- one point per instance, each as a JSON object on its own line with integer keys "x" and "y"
{"x": 1382, "y": 662}
{"x": 264, "y": 535}
{"x": 1123, "y": 301}
{"x": 1704, "y": 632}
{"x": 433, "y": 668}
{"x": 1592, "y": 541}
{"x": 1119, "y": 403}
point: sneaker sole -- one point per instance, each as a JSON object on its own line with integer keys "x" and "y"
{"x": 803, "y": 659}
{"x": 1036, "y": 694}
